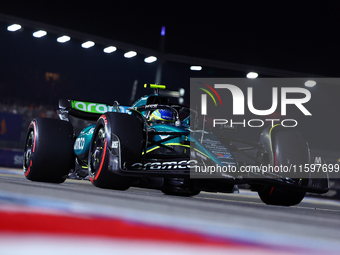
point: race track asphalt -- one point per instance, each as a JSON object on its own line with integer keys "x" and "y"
{"x": 313, "y": 226}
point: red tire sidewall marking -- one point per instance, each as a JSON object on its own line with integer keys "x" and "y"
{"x": 34, "y": 139}
{"x": 102, "y": 161}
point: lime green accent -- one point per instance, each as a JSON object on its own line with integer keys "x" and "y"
{"x": 155, "y": 86}
{"x": 186, "y": 139}
{"x": 206, "y": 91}
{"x": 167, "y": 144}
{"x": 91, "y": 107}
{"x": 174, "y": 144}
{"x": 270, "y": 136}
{"x": 179, "y": 144}
{"x": 151, "y": 149}
{"x": 202, "y": 153}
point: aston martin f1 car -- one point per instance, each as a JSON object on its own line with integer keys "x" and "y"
{"x": 153, "y": 141}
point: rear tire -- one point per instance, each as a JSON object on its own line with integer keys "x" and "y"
{"x": 48, "y": 152}
{"x": 289, "y": 148}
{"x": 129, "y": 131}
{"x": 279, "y": 196}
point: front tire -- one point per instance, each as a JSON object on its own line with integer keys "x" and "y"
{"x": 114, "y": 128}
{"x": 48, "y": 152}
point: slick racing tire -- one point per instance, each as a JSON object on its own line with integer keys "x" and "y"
{"x": 118, "y": 128}
{"x": 289, "y": 148}
{"x": 279, "y": 196}
{"x": 179, "y": 187}
{"x": 48, "y": 152}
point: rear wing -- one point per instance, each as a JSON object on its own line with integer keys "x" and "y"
{"x": 86, "y": 110}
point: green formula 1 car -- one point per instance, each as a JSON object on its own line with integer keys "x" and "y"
{"x": 153, "y": 141}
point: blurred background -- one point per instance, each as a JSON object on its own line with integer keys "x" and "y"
{"x": 102, "y": 51}
{"x": 106, "y": 51}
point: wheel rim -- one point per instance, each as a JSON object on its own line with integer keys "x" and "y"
{"x": 29, "y": 149}
{"x": 97, "y": 150}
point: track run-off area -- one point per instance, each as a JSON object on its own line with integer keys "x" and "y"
{"x": 77, "y": 217}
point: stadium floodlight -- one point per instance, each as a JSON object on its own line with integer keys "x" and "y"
{"x": 181, "y": 92}
{"x": 110, "y": 49}
{"x": 39, "y": 33}
{"x": 13, "y": 27}
{"x": 150, "y": 59}
{"x": 252, "y": 75}
{"x": 195, "y": 68}
{"x": 130, "y": 54}
{"x": 87, "y": 44}
{"x": 310, "y": 83}
{"x": 63, "y": 39}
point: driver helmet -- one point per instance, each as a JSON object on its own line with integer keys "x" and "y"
{"x": 162, "y": 116}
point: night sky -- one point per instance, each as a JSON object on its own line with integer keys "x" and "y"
{"x": 293, "y": 35}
